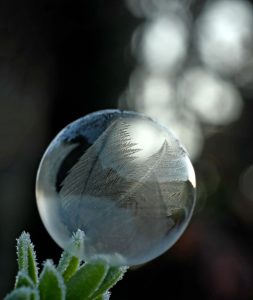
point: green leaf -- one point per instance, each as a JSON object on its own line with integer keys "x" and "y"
{"x": 27, "y": 257}
{"x": 86, "y": 280}
{"x": 35, "y": 295}
{"x": 32, "y": 264}
{"x": 23, "y": 279}
{"x": 51, "y": 284}
{"x": 23, "y": 293}
{"x": 90, "y": 282}
{"x": 22, "y": 246}
{"x": 105, "y": 296}
{"x": 71, "y": 269}
{"x": 113, "y": 275}
{"x": 68, "y": 263}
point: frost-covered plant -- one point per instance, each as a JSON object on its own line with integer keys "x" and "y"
{"x": 71, "y": 279}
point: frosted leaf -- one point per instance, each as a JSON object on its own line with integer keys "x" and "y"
{"x": 121, "y": 178}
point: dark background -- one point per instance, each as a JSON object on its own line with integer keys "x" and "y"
{"x": 60, "y": 60}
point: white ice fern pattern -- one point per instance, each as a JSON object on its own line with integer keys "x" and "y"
{"x": 109, "y": 170}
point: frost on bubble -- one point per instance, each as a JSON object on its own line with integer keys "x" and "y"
{"x": 122, "y": 179}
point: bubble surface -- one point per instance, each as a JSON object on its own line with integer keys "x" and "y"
{"x": 121, "y": 178}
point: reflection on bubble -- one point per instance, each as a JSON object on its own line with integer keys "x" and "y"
{"x": 215, "y": 100}
{"x": 225, "y": 35}
{"x": 121, "y": 178}
{"x": 150, "y": 137}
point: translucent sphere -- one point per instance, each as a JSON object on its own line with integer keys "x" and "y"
{"x": 121, "y": 178}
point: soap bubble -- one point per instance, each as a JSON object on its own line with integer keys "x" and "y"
{"x": 121, "y": 178}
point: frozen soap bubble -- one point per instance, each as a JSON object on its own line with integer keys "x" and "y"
{"x": 121, "y": 178}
